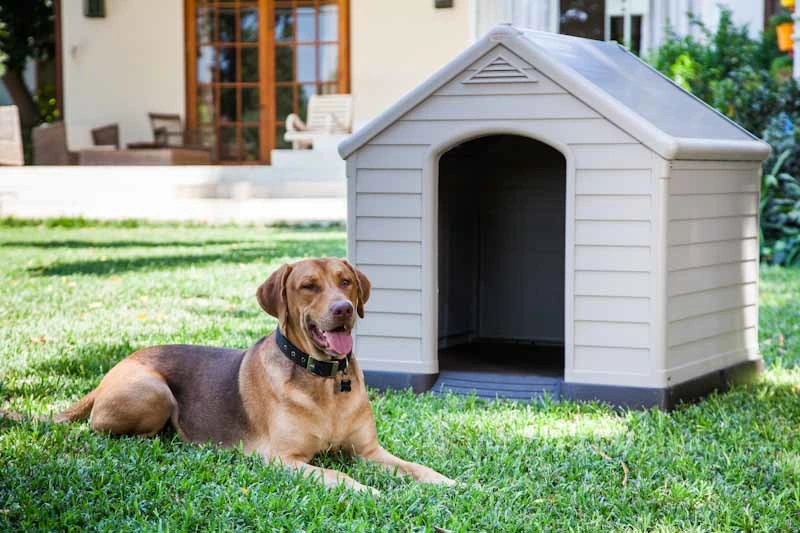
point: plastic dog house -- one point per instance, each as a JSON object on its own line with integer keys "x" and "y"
{"x": 548, "y": 214}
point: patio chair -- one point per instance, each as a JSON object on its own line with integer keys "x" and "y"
{"x": 328, "y": 114}
{"x": 50, "y": 145}
{"x": 10, "y": 137}
{"x": 167, "y": 129}
{"x": 106, "y": 136}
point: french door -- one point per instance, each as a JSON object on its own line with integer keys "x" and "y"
{"x": 250, "y": 63}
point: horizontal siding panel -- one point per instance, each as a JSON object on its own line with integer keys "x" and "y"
{"x": 567, "y": 131}
{"x": 600, "y": 359}
{"x": 394, "y": 301}
{"x": 711, "y": 253}
{"x": 616, "y": 181}
{"x": 391, "y": 325}
{"x": 388, "y": 348}
{"x": 389, "y": 229}
{"x": 612, "y": 334}
{"x": 592, "y": 207}
{"x": 693, "y": 231}
{"x": 389, "y": 181}
{"x": 715, "y": 165}
{"x": 636, "y": 284}
{"x": 713, "y": 181}
{"x": 388, "y": 205}
{"x": 389, "y": 253}
{"x": 711, "y": 277}
{"x": 512, "y": 106}
{"x": 700, "y": 303}
{"x": 612, "y": 258}
{"x": 711, "y": 325}
{"x": 393, "y": 276}
{"x": 612, "y": 233}
{"x": 391, "y": 156}
{"x": 612, "y": 156}
{"x": 712, "y": 205}
{"x": 614, "y": 309}
{"x": 709, "y": 347}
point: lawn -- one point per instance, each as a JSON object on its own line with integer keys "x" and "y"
{"x": 77, "y": 299}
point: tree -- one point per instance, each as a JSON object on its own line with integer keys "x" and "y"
{"x": 29, "y": 33}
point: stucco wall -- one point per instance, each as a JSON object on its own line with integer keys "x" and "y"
{"x": 393, "y": 50}
{"x": 118, "y": 68}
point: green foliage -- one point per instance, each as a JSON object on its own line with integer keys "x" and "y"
{"x": 78, "y": 299}
{"x": 780, "y": 215}
{"x": 29, "y": 31}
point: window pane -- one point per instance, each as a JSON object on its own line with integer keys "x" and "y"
{"x": 329, "y": 23}
{"x": 250, "y": 64}
{"x": 284, "y": 24}
{"x": 250, "y": 142}
{"x": 251, "y": 105}
{"x": 306, "y": 91}
{"x": 305, "y": 24}
{"x": 583, "y": 18}
{"x": 248, "y": 25}
{"x": 205, "y": 25}
{"x": 227, "y": 104}
{"x": 228, "y": 147}
{"x": 284, "y": 102}
{"x": 205, "y": 105}
{"x": 280, "y": 143}
{"x": 306, "y": 63}
{"x": 329, "y": 62}
{"x": 284, "y": 63}
{"x": 227, "y": 64}
{"x": 329, "y": 88}
{"x": 205, "y": 64}
{"x": 226, "y": 25}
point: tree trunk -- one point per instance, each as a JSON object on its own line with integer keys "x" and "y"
{"x": 22, "y": 97}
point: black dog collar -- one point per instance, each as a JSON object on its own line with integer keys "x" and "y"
{"x": 318, "y": 367}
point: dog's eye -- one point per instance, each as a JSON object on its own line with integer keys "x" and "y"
{"x": 309, "y": 286}
{"x": 345, "y": 283}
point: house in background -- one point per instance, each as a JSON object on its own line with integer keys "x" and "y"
{"x": 235, "y": 69}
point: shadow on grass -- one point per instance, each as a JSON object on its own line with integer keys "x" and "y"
{"x": 121, "y": 244}
{"x": 279, "y": 249}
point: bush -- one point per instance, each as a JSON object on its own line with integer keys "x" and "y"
{"x": 780, "y": 215}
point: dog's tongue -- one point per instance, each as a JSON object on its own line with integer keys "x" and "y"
{"x": 339, "y": 342}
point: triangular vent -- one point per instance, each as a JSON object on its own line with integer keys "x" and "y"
{"x": 499, "y": 70}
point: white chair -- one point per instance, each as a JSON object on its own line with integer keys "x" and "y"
{"x": 10, "y": 137}
{"x": 328, "y": 115}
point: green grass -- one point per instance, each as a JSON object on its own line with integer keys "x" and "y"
{"x": 77, "y": 297}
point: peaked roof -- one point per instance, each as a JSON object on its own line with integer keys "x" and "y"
{"x": 604, "y": 75}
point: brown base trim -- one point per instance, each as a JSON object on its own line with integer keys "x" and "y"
{"x": 628, "y": 397}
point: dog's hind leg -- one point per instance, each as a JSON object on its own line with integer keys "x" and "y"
{"x": 133, "y": 399}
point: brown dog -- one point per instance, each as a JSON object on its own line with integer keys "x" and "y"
{"x": 261, "y": 397}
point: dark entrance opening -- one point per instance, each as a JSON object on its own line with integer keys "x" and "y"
{"x": 501, "y": 268}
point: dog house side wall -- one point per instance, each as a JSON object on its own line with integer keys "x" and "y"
{"x": 611, "y": 294}
{"x": 711, "y": 267}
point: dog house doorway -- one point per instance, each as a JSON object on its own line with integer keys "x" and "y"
{"x": 501, "y": 220}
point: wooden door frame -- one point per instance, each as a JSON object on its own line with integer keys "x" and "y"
{"x": 266, "y": 47}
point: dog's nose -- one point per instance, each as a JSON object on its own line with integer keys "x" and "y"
{"x": 342, "y": 309}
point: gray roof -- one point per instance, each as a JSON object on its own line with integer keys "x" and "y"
{"x": 608, "y": 78}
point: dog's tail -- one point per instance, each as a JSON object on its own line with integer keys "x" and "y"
{"x": 80, "y": 410}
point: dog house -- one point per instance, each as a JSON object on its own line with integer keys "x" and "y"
{"x": 548, "y": 214}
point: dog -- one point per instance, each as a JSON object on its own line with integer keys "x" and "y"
{"x": 295, "y": 393}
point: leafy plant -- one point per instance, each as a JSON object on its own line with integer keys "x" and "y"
{"x": 780, "y": 215}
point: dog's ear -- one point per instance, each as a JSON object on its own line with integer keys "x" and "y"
{"x": 363, "y": 285}
{"x": 271, "y": 294}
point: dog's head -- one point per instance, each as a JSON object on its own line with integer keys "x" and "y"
{"x": 315, "y": 302}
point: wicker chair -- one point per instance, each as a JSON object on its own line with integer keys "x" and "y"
{"x": 10, "y": 137}
{"x": 106, "y": 136}
{"x": 50, "y": 145}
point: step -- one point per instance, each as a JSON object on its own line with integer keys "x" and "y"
{"x": 493, "y": 386}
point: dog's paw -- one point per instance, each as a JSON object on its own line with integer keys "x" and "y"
{"x": 358, "y": 487}
{"x": 438, "y": 479}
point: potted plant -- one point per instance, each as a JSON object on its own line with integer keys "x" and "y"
{"x": 784, "y": 27}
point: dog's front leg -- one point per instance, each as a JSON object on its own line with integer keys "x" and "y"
{"x": 331, "y": 478}
{"x": 379, "y": 455}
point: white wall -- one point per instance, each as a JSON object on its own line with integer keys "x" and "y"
{"x": 119, "y": 68}
{"x": 394, "y": 49}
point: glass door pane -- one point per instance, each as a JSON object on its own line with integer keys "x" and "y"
{"x": 583, "y": 18}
